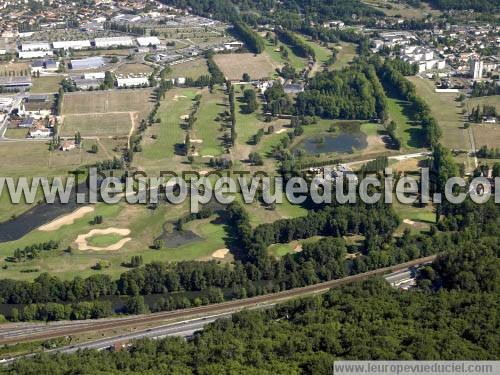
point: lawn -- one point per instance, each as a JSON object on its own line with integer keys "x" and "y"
{"x": 273, "y": 51}
{"x": 347, "y": 53}
{"x": 493, "y": 100}
{"x": 99, "y": 125}
{"x": 447, "y": 112}
{"x": 133, "y": 68}
{"x": 104, "y": 240}
{"x": 138, "y": 100}
{"x": 47, "y": 84}
{"x": 160, "y": 140}
{"x": 206, "y": 128}
{"x": 402, "y": 113}
{"x": 281, "y": 249}
{"x": 191, "y": 69}
{"x": 233, "y": 65}
{"x": 16, "y": 133}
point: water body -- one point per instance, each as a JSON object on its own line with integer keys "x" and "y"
{"x": 37, "y": 216}
{"x": 346, "y": 140}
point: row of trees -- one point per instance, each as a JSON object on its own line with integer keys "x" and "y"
{"x": 253, "y": 41}
{"x": 299, "y": 47}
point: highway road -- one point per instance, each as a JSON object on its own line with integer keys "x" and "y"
{"x": 174, "y": 322}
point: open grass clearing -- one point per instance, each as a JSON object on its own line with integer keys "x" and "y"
{"x": 133, "y": 68}
{"x": 447, "y": 112}
{"x": 206, "y": 127}
{"x": 233, "y": 65}
{"x": 410, "y": 133}
{"x": 46, "y": 84}
{"x": 97, "y": 125}
{"x": 190, "y": 69}
{"x": 347, "y": 53}
{"x": 486, "y": 135}
{"x": 273, "y": 51}
{"x": 137, "y": 100}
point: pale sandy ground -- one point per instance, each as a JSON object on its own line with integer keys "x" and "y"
{"x": 208, "y": 156}
{"x": 221, "y": 253}
{"x": 177, "y": 97}
{"x": 298, "y": 248}
{"x": 281, "y": 131}
{"x": 67, "y": 219}
{"x": 409, "y": 222}
{"x": 202, "y": 173}
{"x": 82, "y": 244}
{"x": 184, "y": 117}
{"x": 196, "y": 140}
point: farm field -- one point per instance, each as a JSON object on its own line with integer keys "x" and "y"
{"x": 46, "y": 84}
{"x": 447, "y": 113}
{"x": 18, "y": 68}
{"x": 403, "y": 10}
{"x": 493, "y": 100}
{"x": 97, "y": 125}
{"x": 190, "y": 69}
{"x": 233, "y": 65}
{"x": 486, "y": 135}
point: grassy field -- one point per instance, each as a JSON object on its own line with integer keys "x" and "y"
{"x": 447, "y": 112}
{"x": 206, "y": 128}
{"x": 410, "y": 134}
{"x": 18, "y": 68}
{"x": 16, "y": 133}
{"x": 493, "y": 100}
{"x": 486, "y": 135}
{"x": 400, "y": 9}
{"x": 233, "y": 65}
{"x": 191, "y": 69}
{"x": 160, "y": 140}
{"x": 347, "y": 52}
{"x": 133, "y": 68}
{"x": 46, "y": 84}
{"x": 108, "y": 101}
{"x": 274, "y": 52}
{"x": 280, "y": 249}
{"x": 99, "y": 124}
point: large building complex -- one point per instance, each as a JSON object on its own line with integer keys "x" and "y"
{"x": 88, "y": 63}
{"x": 72, "y": 44}
{"x": 119, "y": 41}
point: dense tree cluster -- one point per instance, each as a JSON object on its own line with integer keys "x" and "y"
{"x": 366, "y": 320}
{"x": 477, "y": 5}
{"x": 485, "y": 88}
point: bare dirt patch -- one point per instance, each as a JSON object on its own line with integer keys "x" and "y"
{"x": 82, "y": 244}
{"x": 67, "y": 219}
{"x": 221, "y": 253}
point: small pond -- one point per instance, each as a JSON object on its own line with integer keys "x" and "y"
{"x": 346, "y": 139}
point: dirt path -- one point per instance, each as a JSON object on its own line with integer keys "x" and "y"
{"x": 132, "y": 127}
{"x": 67, "y": 219}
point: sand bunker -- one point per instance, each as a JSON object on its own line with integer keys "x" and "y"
{"x": 409, "y": 222}
{"x": 177, "y": 97}
{"x": 184, "y": 117}
{"x": 208, "y": 156}
{"x": 196, "y": 140}
{"x": 82, "y": 244}
{"x": 298, "y": 248}
{"x": 67, "y": 219}
{"x": 221, "y": 253}
{"x": 280, "y": 131}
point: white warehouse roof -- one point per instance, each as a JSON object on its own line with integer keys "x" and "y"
{"x": 115, "y": 41}
{"x": 148, "y": 40}
{"x": 132, "y": 81}
{"x": 35, "y": 46}
{"x": 74, "y": 44}
{"x": 33, "y": 54}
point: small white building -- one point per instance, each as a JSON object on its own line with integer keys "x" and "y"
{"x": 34, "y": 54}
{"x": 72, "y": 44}
{"x": 118, "y": 41}
{"x": 132, "y": 81}
{"x": 94, "y": 75}
{"x": 147, "y": 41}
{"x": 35, "y": 46}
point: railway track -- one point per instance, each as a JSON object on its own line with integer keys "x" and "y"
{"x": 43, "y": 332}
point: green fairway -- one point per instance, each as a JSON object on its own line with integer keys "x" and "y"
{"x": 402, "y": 113}
{"x": 103, "y": 240}
{"x": 272, "y": 50}
{"x": 206, "y": 128}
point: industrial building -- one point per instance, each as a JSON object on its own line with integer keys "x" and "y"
{"x": 148, "y": 41}
{"x": 72, "y": 44}
{"x": 34, "y": 54}
{"x": 113, "y": 42}
{"x": 15, "y": 83}
{"x": 132, "y": 81}
{"x": 88, "y": 63}
{"x": 35, "y": 46}
{"x": 95, "y": 75}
